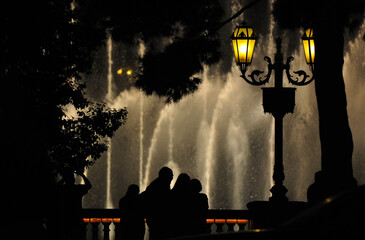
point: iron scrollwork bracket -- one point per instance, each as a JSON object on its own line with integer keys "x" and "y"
{"x": 255, "y": 74}
{"x": 302, "y": 79}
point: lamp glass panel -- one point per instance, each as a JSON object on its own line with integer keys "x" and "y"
{"x": 309, "y": 33}
{"x": 312, "y": 50}
{"x": 242, "y": 50}
{"x": 251, "y": 46}
{"x": 235, "y": 49}
{"x": 306, "y": 50}
{"x": 308, "y": 45}
{"x": 309, "y": 50}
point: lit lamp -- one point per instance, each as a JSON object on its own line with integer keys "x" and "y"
{"x": 308, "y": 45}
{"x": 243, "y": 40}
{"x": 120, "y": 71}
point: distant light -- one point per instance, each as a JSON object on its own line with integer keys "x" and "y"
{"x": 120, "y": 71}
{"x": 106, "y": 220}
{"x": 242, "y": 221}
{"x": 103, "y": 220}
{"x": 95, "y": 220}
{"x": 231, "y": 221}
{"x": 220, "y": 220}
{"x": 210, "y": 221}
{"x": 129, "y": 72}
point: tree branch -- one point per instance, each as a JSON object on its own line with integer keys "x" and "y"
{"x": 236, "y": 15}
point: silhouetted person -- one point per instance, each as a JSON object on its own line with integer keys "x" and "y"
{"x": 180, "y": 206}
{"x": 131, "y": 218}
{"x": 155, "y": 199}
{"x": 72, "y": 203}
{"x": 199, "y": 207}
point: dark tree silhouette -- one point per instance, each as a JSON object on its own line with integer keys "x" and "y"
{"x": 45, "y": 46}
{"x": 329, "y": 19}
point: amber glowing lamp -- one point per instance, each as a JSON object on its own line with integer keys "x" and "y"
{"x": 308, "y": 45}
{"x": 243, "y": 40}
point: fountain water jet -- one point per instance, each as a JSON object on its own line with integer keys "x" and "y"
{"x": 141, "y": 141}
{"x": 164, "y": 113}
{"x": 109, "y": 203}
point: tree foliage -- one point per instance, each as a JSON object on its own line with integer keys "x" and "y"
{"x": 171, "y": 71}
{"x": 46, "y": 45}
{"x": 82, "y": 139}
{"x": 180, "y": 37}
{"x": 297, "y": 14}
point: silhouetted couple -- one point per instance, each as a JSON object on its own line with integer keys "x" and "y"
{"x": 188, "y": 207}
{"x": 169, "y": 213}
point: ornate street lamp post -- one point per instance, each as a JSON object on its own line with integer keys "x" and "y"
{"x": 277, "y": 100}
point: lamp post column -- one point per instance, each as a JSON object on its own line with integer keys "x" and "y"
{"x": 278, "y": 113}
{"x": 278, "y": 190}
{"x": 278, "y": 101}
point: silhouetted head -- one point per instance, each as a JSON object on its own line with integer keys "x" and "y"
{"x": 133, "y": 190}
{"x": 165, "y": 174}
{"x": 69, "y": 177}
{"x": 195, "y": 185}
{"x": 182, "y": 182}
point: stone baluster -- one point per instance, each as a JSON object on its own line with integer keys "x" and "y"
{"x": 209, "y": 225}
{"x": 116, "y": 222}
{"x": 106, "y": 223}
{"x": 219, "y": 223}
{"x": 95, "y": 227}
{"x": 84, "y": 230}
{"x": 231, "y": 223}
{"x": 241, "y": 224}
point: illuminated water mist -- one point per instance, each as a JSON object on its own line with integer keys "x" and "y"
{"x": 204, "y": 135}
{"x": 221, "y": 136}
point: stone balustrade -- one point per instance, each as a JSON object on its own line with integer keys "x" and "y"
{"x": 105, "y": 223}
